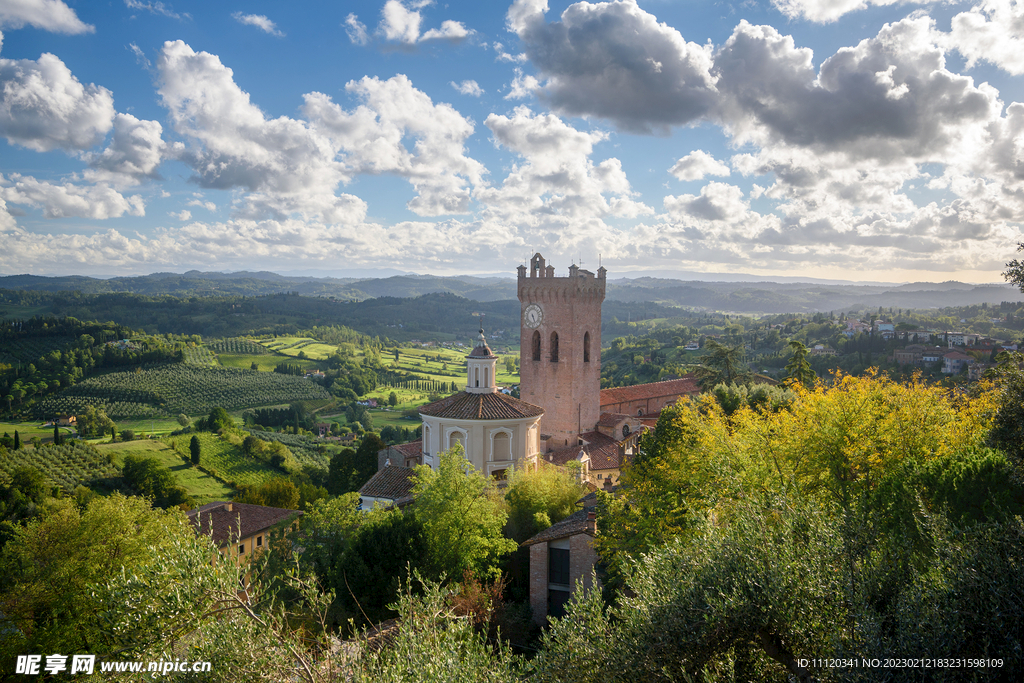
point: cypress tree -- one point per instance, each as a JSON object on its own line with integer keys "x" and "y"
{"x": 17, "y": 440}
{"x": 194, "y": 448}
{"x": 56, "y": 435}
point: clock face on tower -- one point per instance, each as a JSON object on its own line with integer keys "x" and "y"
{"x": 533, "y": 316}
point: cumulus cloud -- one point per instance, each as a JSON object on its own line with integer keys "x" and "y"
{"x": 889, "y": 97}
{"x": 993, "y": 32}
{"x": 286, "y": 164}
{"x": 616, "y": 61}
{"x": 198, "y": 201}
{"x": 69, "y": 200}
{"x": 471, "y": 88}
{"x": 557, "y": 192}
{"x": 133, "y": 155}
{"x": 371, "y": 137}
{"x": 400, "y": 22}
{"x": 260, "y": 21}
{"x": 696, "y": 165}
{"x": 48, "y": 15}
{"x": 504, "y": 56}
{"x": 356, "y": 30}
{"x": 523, "y": 86}
{"x": 182, "y": 215}
{"x": 44, "y": 107}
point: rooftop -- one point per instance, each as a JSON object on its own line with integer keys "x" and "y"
{"x": 392, "y": 482}
{"x": 493, "y": 406}
{"x": 226, "y": 522}
{"x": 574, "y": 524}
{"x": 638, "y": 392}
{"x": 604, "y": 452}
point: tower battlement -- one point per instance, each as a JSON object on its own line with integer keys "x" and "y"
{"x": 560, "y": 347}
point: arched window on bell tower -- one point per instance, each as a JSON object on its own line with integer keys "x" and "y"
{"x": 536, "y": 345}
{"x": 554, "y": 347}
{"x": 586, "y": 347}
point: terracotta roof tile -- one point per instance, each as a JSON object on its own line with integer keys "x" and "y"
{"x": 491, "y": 406}
{"x": 574, "y": 524}
{"x": 612, "y": 419}
{"x": 604, "y": 452}
{"x": 242, "y": 521}
{"x": 391, "y": 482}
{"x": 682, "y": 386}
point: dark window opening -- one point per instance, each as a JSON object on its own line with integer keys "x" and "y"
{"x": 558, "y": 566}
{"x": 259, "y": 541}
{"x": 536, "y": 345}
{"x": 554, "y": 347}
{"x": 586, "y": 347}
{"x": 557, "y": 600}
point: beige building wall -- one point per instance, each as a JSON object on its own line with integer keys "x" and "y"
{"x": 483, "y": 441}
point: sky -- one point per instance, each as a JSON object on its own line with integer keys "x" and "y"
{"x": 866, "y": 140}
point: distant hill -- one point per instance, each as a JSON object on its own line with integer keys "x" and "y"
{"x": 734, "y": 296}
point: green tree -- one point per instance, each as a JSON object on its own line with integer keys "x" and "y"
{"x": 51, "y": 567}
{"x": 462, "y": 516}
{"x": 721, "y": 363}
{"x": 56, "y": 435}
{"x": 798, "y": 369}
{"x": 278, "y": 492}
{"x": 392, "y": 399}
{"x": 1008, "y": 427}
{"x": 1015, "y": 270}
{"x": 340, "y": 472}
{"x": 195, "y": 449}
{"x": 151, "y": 479}
{"x": 184, "y": 420}
{"x": 219, "y": 420}
{"x": 17, "y": 440}
{"x": 538, "y": 499}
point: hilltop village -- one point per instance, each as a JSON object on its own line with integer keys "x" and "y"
{"x": 486, "y": 496}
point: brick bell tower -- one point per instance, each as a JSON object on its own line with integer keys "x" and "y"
{"x": 560, "y": 348}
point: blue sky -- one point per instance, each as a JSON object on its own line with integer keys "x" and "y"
{"x": 855, "y": 139}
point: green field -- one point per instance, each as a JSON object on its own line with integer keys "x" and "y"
{"x": 180, "y": 388}
{"x": 26, "y": 430}
{"x": 67, "y": 465}
{"x": 291, "y": 346}
{"x": 201, "y": 486}
{"x": 225, "y": 459}
{"x": 265, "y": 362}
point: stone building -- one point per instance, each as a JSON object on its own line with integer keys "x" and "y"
{"x": 495, "y": 431}
{"x": 560, "y": 556}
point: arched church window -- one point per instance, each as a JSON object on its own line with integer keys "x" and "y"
{"x": 536, "y": 345}
{"x": 476, "y": 376}
{"x": 502, "y": 449}
{"x": 554, "y": 347}
{"x": 586, "y": 347}
{"x": 487, "y": 377}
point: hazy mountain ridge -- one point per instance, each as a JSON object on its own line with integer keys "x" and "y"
{"x": 741, "y": 297}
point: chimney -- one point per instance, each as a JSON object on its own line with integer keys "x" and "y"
{"x": 228, "y": 506}
{"x": 591, "y": 522}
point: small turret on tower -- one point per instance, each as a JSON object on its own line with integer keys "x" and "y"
{"x": 480, "y": 366}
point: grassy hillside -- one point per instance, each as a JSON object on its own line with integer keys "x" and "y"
{"x": 225, "y": 459}
{"x": 181, "y": 388}
{"x": 201, "y": 486}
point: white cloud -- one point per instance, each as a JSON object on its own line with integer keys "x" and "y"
{"x": 356, "y": 30}
{"x": 523, "y": 86}
{"x": 182, "y": 215}
{"x": 288, "y": 165}
{"x": 507, "y": 57}
{"x": 69, "y": 200}
{"x": 471, "y": 88}
{"x": 557, "y": 193}
{"x": 824, "y": 11}
{"x": 399, "y": 23}
{"x": 696, "y": 165}
{"x": 198, "y": 201}
{"x": 44, "y": 107}
{"x": 260, "y": 21}
{"x": 156, "y": 8}
{"x": 134, "y": 153}
{"x": 371, "y": 137}
{"x": 49, "y": 15}
{"x": 616, "y": 61}
{"x": 453, "y": 31}
{"x": 993, "y": 31}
